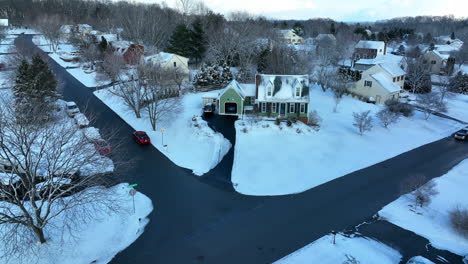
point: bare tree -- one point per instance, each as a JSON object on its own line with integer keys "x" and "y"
{"x": 112, "y": 66}
{"x": 420, "y": 188}
{"x": 443, "y": 88}
{"x": 339, "y": 88}
{"x": 314, "y": 119}
{"x": 52, "y": 171}
{"x": 178, "y": 77}
{"x": 430, "y": 103}
{"x": 387, "y": 117}
{"x": 362, "y": 121}
{"x": 161, "y": 97}
{"x": 417, "y": 77}
{"x": 50, "y": 27}
{"x": 91, "y": 54}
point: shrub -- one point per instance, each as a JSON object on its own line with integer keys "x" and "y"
{"x": 265, "y": 125}
{"x": 194, "y": 118}
{"x": 459, "y": 220}
{"x": 314, "y": 119}
{"x": 277, "y": 121}
{"x": 387, "y": 117}
{"x": 293, "y": 119}
{"x": 299, "y": 131}
{"x": 398, "y": 107}
{"x": 363, "y": 121}
{"x": 420, "y": 188}
{"x": 289, "y": 123}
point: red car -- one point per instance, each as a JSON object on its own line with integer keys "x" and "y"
{"x": 102, "y": 147}
{"x": 141, "y": 137}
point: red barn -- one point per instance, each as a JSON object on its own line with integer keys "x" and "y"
{"x": 131, "y": 53}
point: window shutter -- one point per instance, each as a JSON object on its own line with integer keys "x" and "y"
{"x": 287, "y": 108}
{"x": 306, "y": 106}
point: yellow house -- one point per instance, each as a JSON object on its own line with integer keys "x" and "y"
{"x": 380, "y": 83}
{"x": 290, "y": 37}
{"x": 170, "y": 61}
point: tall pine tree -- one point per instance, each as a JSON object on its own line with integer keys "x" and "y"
{"x": 198, "y": 43}
{"x": 180, "y": 42}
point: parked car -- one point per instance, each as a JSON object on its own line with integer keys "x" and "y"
{"x": 141, "y": 137}
{"x": 462, "y": 134}
{"x": 72, "y": 109}
{"x": 209, "y": 108}
{"x": 91, "y": 134}
{"x": 81, "y": 120}
{"x": 102, "y": 147}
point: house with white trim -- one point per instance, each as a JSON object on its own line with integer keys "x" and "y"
{"x": 290, "y": 37}
{"x": 170, "y": 61}
{"x": 380, "y": 83}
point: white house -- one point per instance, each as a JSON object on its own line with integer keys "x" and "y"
{"x": 364, "y": 64}
{"x": 4, "y": 22}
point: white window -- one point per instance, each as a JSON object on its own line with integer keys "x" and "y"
{"x": 298, "y": 91}
{"x": 302, "y": 108}
{"x": 263, "y": 107}
{"x": 291, "y": 108}
{"x": 269, "y": 90}
{"x": 273, "y": 107}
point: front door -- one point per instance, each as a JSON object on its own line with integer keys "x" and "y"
{"x": 282, "y": 109}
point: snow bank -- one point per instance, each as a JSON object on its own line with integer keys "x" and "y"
{"x": 21, "y": 30}
{"x": 433, "y": 222}
{"x": 286, "y": 162}
{"x": 97, "y": 241}
{"x": 190, "y": 143}
{"x": 87, "y": 79}
{"x": 7, "y": 48}
{"x": 457, "y": 107}
{"x": 419, "y": 260}
{"x": 323, "y": 251}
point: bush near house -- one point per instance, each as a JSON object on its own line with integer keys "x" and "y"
{"x": 459, "y": 220}
{"x": 396, "y": 106}
{"x": 459, "y": 84}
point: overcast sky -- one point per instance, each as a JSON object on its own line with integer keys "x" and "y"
{"x": 342, "y": 10}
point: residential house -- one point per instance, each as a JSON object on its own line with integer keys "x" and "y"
{"x": 282, "y": 96}
{"x": 3, "y": 22}
{"x": 131, "y": 53}
{"x": 364, "y": 64}
{"x": 170, "y": 61}
{"x": 83, "y": 30}
{"x": 275, "y": 96}
{"x": 366, "y": 49}
{"x": 236, "y": 99}
{"x": 380, "y": 83}
{"x": 290, "y": 37}
{"x": 66, "y": 31}
{"x": 327, "y": 38}
{"x": 435, "y": 61}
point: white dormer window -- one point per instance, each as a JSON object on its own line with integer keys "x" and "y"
{"x": 269, "y": 90}
{"x": 298, "y": 91}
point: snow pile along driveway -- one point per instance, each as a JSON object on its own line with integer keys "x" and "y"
{"x": 323, "y": 251}
{"x": 190, "y": 143}
{"x": 432, "y": 221}
{"x": 273, "y": 161}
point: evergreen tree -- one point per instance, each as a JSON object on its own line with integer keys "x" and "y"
{"x": 332, "y": 29}
{"x": 198, "y": 43}
{"x": 431, "y": 47}
{"x": 428, "y": 38}
{"x": 401, "y": 50}
{"x": 103, "y": 44}
{"x": 180, "y": 42}
{"x": 298, "y": 29}
{"x": 226, "y": 76}
{"x": 452, "y": 36}
{"x": 23, "y": 80}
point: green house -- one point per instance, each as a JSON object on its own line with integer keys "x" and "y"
{"x": 236, "y": 99}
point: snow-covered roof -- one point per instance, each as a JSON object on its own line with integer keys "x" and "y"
{"x": 4, "y": 22}
{"x": 379, "y": 59}
{"x": 161, "y": 57}
{"x": 71, "y": 103}
{"x": 108, "y": 36}
{"x": 286, "y": 31}
{"x": 283, "y": 87}
{"x": 369, "y": 44}
{"x": 387, "y": 84}
{"x": 442, "y": 56}
{"x": 8, "y": 178}
{"x": 445, "y": 48}
{"x": 323, "y": 36}
{"x": 122, "y": 44}
{"x": 249, "y": 88}
{"x": 66, "y": 29}
{"x": 393, "y": 69}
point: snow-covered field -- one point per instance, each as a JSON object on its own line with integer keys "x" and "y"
{"x": 457, "y": 107}
{"x": 7, "y": 49}
{"x": 88, "y": 79}
{"x": 7, "y": 41}
{"x": 432, "y": 222}
{"x": 323, "y": 251}
{"x": 20, "y": 30}
{"x": 270, "y": 161}
{"x": 96, "y": 241}
{"x": 190, "y": 144}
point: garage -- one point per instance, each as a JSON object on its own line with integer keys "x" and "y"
{"x": 230, "y": 108}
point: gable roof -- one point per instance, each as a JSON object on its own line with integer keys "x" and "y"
{"x": 242, "y": 89}
{"x": 393, "y": 69}
{"x": 369, "y": 44}
{"x": 283, "y": 87}
{"x": 387, "y": 84}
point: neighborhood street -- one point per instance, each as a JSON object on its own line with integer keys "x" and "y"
{"x": 203, "y": 220}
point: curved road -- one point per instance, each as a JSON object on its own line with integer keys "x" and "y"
{"x": 202, "y": 220}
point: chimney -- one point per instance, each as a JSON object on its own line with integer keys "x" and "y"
{"x": 257, "y": 83}
{"x": 385, "y": 48}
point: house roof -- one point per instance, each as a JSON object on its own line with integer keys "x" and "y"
{"x": 283, "y": 87}
{"x": 369, "y": 44}
{"x": 440, "y": 55}
{"x": 393, "y": 69}
{"x": 387, "y": 84}
{"x": 379, "y": 59}
{"x": 285, "y": 31}
{"x": 243, "y": 89}
{"x": 323, "y": 36}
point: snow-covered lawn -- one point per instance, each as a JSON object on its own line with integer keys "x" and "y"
{"x": 323, "y": 251}
{"x": 190, "y": 144}
{"x": 96, "y": 241}
{"x": 270, "y": 161}
{"x": 457, "y": 106}
{"x": 432, "y": 222}
{"x": 20, "y": 30}
{"x": 7, "y": 41}
{"x": 7, "y": 49}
